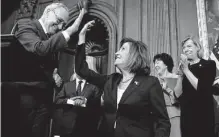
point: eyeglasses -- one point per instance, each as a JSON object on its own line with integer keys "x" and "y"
{"x": 58, "y": 19}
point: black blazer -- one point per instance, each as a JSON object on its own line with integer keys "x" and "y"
{"x": 34, "y": 55}
{"x": 197, "y": 108}
{"x": 141, "y": 106}
{"x": 78, "y": 118}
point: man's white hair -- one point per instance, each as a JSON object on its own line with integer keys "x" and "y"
{"x": 54, "y": 6}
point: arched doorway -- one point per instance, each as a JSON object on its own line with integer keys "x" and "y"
{"x": 103, "y": 33}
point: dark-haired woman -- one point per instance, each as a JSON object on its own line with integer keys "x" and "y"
{"x": 133, "y": 100}
{"x": 163, "y": 64}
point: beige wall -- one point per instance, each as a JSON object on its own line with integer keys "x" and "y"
{"x": 131, "y": 18}
{"x": 187, "y": 15}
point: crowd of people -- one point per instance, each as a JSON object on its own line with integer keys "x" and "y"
{"x": 128, "y": 103}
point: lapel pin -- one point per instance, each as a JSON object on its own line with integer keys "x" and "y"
{"x": 136, "y": 83}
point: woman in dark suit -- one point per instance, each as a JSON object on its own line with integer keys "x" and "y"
{"x": 133, "y": 100}
{"x": 197, "y": 111}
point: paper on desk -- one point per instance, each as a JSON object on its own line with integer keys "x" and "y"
{"x": 69, "y": 101}
{"x": 171, "y": 82}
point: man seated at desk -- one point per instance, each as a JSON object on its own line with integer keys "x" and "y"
{"x": 80, "y": 105}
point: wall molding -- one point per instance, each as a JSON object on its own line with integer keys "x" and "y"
{"x": 202, "y": 27}
{"x": 107, "y": 14}
{"x": 120, "y": 21}
{"x": 140, "y": 20}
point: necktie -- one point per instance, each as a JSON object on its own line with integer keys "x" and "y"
{"x": 78, "y": 91}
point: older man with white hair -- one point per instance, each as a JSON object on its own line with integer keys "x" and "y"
{"x": 38, "y": 41}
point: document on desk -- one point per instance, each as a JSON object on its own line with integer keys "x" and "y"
{"x": 72, "y": 102}
{"x": 171, "y": 82}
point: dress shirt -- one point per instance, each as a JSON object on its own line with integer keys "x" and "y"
{"x": 82, "y": 84}
{"x": 119, "y": 96}
{"x": 69, "y": 101}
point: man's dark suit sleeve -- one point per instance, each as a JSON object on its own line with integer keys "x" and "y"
{"x": 28, "y": 36}
{"x": 159, "y": 110}
{"x": 61, "y": 96}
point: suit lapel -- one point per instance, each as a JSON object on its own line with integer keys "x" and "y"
{"x": 41, "y": 31}
{"x": 72, "y": 88}
{"x": 114, "y": 87}
{"x": 86, "y": 87}
{"x": 131, "y": 87}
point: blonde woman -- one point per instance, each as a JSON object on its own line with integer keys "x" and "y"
{"x": 197, "y": 110}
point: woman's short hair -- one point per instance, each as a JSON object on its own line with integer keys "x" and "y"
{"x": 167, "y": 60}
{"x": 196, "y": 43}
{"x": 139, "y": 59}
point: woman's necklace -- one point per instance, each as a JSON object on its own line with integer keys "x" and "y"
{"x": 127, "y": 80}
{"x": 194, "y": 62}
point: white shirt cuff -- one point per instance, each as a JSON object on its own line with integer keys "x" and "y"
{"x": 69, "y": 101}
{"x": 216, "y": 81}
{"x": 65, "y": 34}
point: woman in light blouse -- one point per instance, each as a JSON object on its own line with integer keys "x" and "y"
{"x": 163, "y": 64}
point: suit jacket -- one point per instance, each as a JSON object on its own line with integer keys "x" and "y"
{"x": 73, "y": 118}
{"x": 34, "y": 56}
{"x": 32, "y": 67}
{"x": 140, "y": 106}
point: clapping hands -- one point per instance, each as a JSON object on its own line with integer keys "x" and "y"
{"x": 57, "y": 78}
{"x": 183, "y": 62}
{"x": 79, "y": 100}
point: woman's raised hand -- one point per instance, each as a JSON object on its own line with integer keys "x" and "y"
{"x": 84, "y": 30}
{"x": 183, "y": 62}
{"x": 87, "y": 27}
